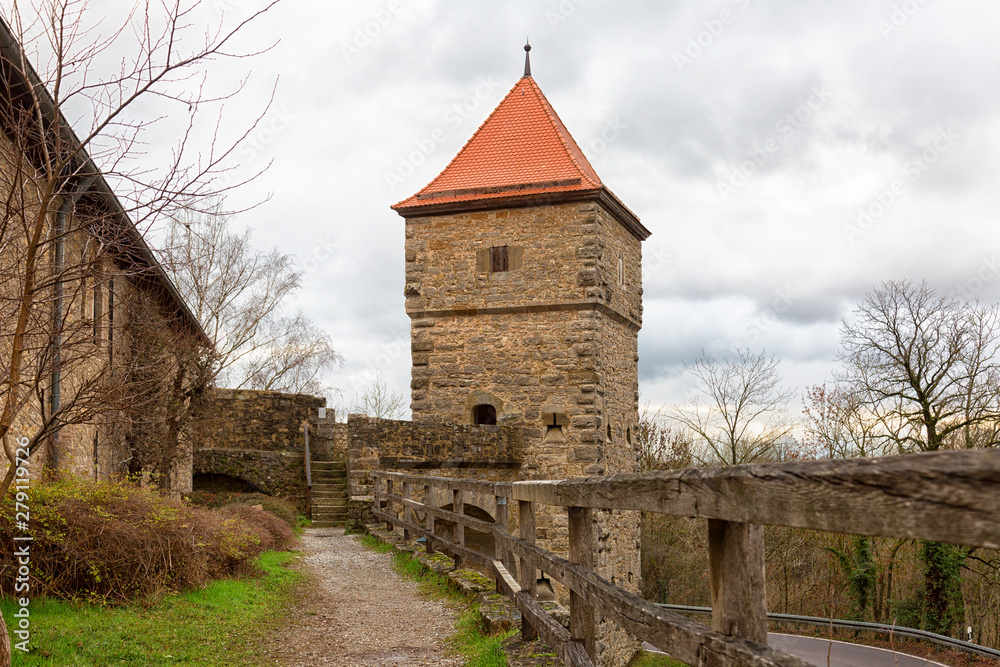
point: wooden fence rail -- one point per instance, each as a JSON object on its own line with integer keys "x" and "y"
{"x": 940, "y": 496}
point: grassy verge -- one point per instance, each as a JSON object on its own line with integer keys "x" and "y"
{"x": 213, "y": 626}
{"x": 656, "y": 660}
{"x": 478, "y": 649}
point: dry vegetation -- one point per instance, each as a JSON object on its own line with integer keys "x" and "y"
{"x": 116, "y": 542}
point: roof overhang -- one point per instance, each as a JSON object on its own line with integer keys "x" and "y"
{"x": 601, "y": 195}
{"x": 138, "y": 252}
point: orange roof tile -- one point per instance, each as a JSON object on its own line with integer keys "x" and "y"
{"x": 523, "y": 148}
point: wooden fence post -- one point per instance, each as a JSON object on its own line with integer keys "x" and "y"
{"x": 388, "y": 504}
{"x": 582, "y": 627}
{"x": 407, "y": 512}
{"x": 526, "y": 568}
{"x": 502, "y": 520}
{"x": 458, "y": 507}
{"x": 429, "y": 519}
{"x": 736, "y": 561}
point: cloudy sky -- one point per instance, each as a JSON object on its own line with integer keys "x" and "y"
{"x": 787, "y": 156}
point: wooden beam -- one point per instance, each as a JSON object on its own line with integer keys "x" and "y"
{"x": 951, "y": 496}
{"x": 441, "y": 544}
{"x": 506, "y": 583}
{"x": 468, "y": 485}
{"x": 736, "y": 562}
{"x": 458, "y": 507}
{"x": 429, "y": 515}
{"x": 503, "y": 519}
{"x": 407, "y": 511}
{"x": 582, "y": 623}
{"x": 526, "y": 567}
{"x": 448, "y": 515}
{"x": 687, "y": 640}
{"x": 555, "y": 635}
{"x": 388, "y": 505}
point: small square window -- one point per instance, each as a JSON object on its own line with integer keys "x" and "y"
{"x": 499, "y": 259}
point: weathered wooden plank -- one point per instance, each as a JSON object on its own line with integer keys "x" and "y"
{"x": 506, "y": 584}
{"x": 441, "y": 544}
{"x": 736, "y": 563}
{"x": 407, "y": 511}
{"x": 582, "y": 624}
{"x": 467, "y": 485}
{"x": 526, "y": 574}
{"x": 503, "y": 518}
{"x": 555, "y": 635}
{"x": 458, "y": 507}
{"x": 447, "y": 515}
{"x": 429, "y": 517}
{"x": 685, "y": 639}
{"x": 949, "y": 496}
{"x": 388, "y": 505}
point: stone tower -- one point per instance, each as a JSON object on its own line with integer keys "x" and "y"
{"x": 524, "y": 291}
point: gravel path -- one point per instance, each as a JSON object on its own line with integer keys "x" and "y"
{"x": 357, "y": 611}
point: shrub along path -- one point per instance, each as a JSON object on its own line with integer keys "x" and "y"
{"x": 355, "y": 610}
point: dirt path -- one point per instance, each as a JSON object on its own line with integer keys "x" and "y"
{"x": 357, "y": 611}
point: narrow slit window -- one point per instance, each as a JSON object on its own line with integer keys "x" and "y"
{"x": 98, "y": 310}
{"x": 621, "y": 271}
{"x": 499, "y": 259}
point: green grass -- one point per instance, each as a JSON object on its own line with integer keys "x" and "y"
{"x": 656, "y": 660}
{"x": 214, "y": 626}
{"x": 478, "y": 648}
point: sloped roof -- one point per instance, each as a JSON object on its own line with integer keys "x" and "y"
{"x": 16, "y": 81}
{"x": 522, "y": 150}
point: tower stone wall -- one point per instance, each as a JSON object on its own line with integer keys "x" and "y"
{"x": 524, "y": 290}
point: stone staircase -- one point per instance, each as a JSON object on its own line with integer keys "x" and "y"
{"x": 329, "y": 493}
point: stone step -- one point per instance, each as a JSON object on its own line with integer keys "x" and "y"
{"x": 327, "y": 524}
{"x": 329, "y": 474}
{"x": 328, "y": 465}
{"x": 329, "y": 485}
{"x": 329, "y": 492}
{"x": 320, "y": 478}
{"x": 329, "y": 507}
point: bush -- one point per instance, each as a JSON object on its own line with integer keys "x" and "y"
{"x": 115, "y": 542}
{"x": 280, "y": 508}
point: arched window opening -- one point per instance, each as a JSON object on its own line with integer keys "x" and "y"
{"x": 484, "y": 415}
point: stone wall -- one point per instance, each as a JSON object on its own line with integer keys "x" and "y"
{"x": 551, "y": 344}
{"x": 257, "y": 437}
{"x": 383, "y": 444}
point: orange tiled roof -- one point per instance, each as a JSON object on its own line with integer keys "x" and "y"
{"x": 523, "y": 148}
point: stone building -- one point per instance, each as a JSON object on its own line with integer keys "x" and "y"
{"x": 524, "y": 291}
{"x": 104, "y": 322}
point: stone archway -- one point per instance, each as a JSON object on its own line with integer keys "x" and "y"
{"x": 220, "y": 483}
{"x": 481, "y": 542}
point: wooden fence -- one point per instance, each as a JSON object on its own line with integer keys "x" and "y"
{"x": 940, "y": 496}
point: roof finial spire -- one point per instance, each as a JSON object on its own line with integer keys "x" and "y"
{"x": 527, "y": 58}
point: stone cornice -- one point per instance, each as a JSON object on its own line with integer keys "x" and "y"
{"x": 583, "y": 304}
{"x": 603, "y": 195}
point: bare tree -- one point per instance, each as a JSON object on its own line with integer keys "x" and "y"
{"x": 295, "y": 360}
{"x": 739, "y": 415}
{"x": 925, "y": 368}
{"x": 839, "y": 425}
{"x": 659, "y": 446}
{"x": 380, "y": 401}
{"x": 239, "y": 293}
{"x": 67, "y": 240}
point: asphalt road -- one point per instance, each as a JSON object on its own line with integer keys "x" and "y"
{"x": 814, "y": 651}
